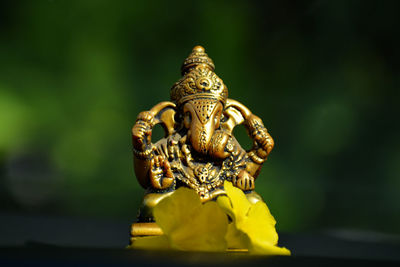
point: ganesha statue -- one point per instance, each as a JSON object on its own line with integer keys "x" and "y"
{"x": 199, "y": 150}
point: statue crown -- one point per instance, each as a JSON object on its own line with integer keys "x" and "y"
{"x": 199, "y": 80}
{"x": 197, "y": 57}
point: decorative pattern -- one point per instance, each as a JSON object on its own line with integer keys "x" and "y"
{"x": 199, "y": 83}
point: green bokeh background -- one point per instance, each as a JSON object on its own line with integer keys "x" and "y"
{"x": 323, "y": 76}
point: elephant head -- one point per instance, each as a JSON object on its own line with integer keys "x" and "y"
{"x": 200, "y": 95}
{"x": 201, "y": 119}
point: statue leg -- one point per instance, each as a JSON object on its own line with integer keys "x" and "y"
{"x": 150, "y": 200}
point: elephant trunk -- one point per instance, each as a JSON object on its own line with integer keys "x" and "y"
{"x": 200, "y": 136}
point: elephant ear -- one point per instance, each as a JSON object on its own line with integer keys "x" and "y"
{"x": 164, "y": 114}
{"x": 235, "y": 113}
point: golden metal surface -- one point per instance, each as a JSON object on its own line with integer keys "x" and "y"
{"x": 199, "y": 150}
{"x": 145, "y": 229}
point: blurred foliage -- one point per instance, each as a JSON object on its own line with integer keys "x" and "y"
{"x": 323, "y": 75}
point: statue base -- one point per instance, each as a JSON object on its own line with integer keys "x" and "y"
{"x": 152, "y": 229}
{"x": 145, "y": 229}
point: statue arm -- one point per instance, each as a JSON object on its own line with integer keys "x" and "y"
{"x": 263, "y": 142}
{"x": 142, "y": 147}
{"x": 146, "y": 164}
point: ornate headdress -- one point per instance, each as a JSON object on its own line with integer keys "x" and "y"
{"x": 199, "y": 80}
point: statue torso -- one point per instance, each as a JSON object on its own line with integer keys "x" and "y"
{"x": 198, "y": 172}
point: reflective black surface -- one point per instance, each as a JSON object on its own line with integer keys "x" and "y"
{"x": 49, "y": 241}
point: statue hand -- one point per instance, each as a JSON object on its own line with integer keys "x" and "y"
{"x": 253, "y": 124}
{"x": 161, "y": 176}
{"x": 141, "y": 131}
{"x": 264, "y": 140}
{"x": 244, "y": 181}
{"x": 260, "y": 134}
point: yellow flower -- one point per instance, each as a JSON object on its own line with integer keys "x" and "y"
{"x": 252, "y": 226}
{"x": 189, "y": 225}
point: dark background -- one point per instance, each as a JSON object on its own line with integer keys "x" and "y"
{"x": 323, "y": 76}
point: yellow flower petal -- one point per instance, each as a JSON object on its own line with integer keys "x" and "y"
{"x": 225, "y": 203}
{"x": 252, "y": 220}
{"x": 173, "y": 210}
{"x": 190, "y": 225}
{"x": 260, "y": 228}
{"x": 267, "y": 249}
{"x": 236, "y": 205}
{"x": 259, "y": 224}
{"x": 235, "y": 238}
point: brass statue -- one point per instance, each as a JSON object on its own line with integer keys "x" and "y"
{"x": 199, "y": 150}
